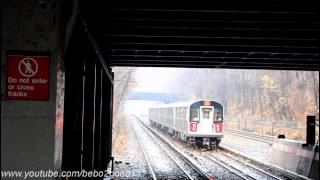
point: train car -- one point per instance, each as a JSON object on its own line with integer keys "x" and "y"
{"x": 198, "y": 123}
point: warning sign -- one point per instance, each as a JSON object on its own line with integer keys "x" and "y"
{"x": 28, "y": 77}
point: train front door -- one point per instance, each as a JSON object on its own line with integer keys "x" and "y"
{"x": 206, "y": 117}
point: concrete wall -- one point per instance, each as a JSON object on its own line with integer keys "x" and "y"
{"x": 293, "y": 156}
{"x": 31, "y": 138}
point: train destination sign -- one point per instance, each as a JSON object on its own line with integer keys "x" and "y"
{"x": 28, "y": 77}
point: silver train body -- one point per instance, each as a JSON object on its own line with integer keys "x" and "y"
{"x": 198, "y": 123}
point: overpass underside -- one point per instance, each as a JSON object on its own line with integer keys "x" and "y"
{"x": 260, "y": 35}
{"x": 265, "y": 35}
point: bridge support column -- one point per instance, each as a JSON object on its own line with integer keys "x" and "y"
{"x": 88, "y": 106}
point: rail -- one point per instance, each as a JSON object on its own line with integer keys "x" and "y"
{"x": 252, "y": 167}
{"x": 250, "y": 135}
{"x": 289, "y": 174}
{"x": 229, "y": 167}
{"x": 198, "y": 169}
{"x": 267, "y": 170}
{"x": 145, "y": 155}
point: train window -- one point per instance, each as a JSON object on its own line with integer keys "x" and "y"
{"x": 184, "y": 111}
{"x": 218, "y": 115}
{"x": 177, "y": 113}
{"x": 194, "y": 114}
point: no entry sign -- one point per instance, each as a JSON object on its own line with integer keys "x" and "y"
{"x": 28, "y": 77}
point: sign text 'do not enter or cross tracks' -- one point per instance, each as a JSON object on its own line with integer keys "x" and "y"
{"x": 28, "y": 77}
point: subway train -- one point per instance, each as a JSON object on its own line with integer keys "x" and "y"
{"x": 198, "y": 123}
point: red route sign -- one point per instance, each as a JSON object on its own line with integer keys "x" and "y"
{"x": 28, "y": 77}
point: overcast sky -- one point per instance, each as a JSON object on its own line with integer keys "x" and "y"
{"x": 154, "y": 79}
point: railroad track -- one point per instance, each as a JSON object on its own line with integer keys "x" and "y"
{"x": 279, "y": 172}
{"x": 207, "y": 172}
{"x": 241, "y": 174}
{"x": 180, "y": 168}
{"x": 250, "y": 135}
{"x": 232, "y": 167}
{"x": 238, "y": 166}
{"x": 242, "y": 166}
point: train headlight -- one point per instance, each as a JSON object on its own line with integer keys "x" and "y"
{"x": 217, "y": 120}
